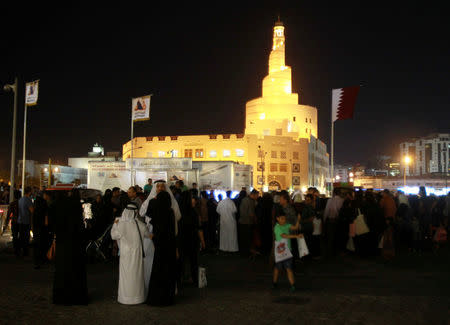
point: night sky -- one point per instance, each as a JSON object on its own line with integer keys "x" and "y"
{"x": 202, "y": 63}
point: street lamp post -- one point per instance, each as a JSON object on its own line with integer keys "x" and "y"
{"x": 262, "y": 154}
{"x": 13, "y": 88}
{"x": 407, "y": 160}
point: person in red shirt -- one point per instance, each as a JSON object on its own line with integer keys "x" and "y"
{"x": 387, "y": 203}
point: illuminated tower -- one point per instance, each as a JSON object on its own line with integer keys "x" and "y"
{"x": 277, "y": 112}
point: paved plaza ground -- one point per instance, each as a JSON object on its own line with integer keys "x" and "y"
{"x": 346, "y": 290}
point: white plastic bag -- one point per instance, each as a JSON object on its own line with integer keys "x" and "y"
{"x": 360, "y": 225}
{"x": 202, "y": 283}
{"x": 350, "y": 244}
{"x": 380, "y": 244}
{"x": 302, "y": 247}
{"x": 282, "y": 251}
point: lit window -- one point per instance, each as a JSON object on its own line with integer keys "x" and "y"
{"x": 273, "y": 154}
{"x": 174, "y": 153}
{"x": 226, "y": 153}
{"x": 239, "y": 153}
{"x": 161, "y": 153}
{"x": 198, "y": 153}
{"x": 213, "y": 154}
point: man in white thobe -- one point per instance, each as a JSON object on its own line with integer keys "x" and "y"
{"x": 129, "y": 233}
{"x": 228, "y": 226}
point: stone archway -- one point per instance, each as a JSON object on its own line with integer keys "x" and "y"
{"x": 274, "y": 186}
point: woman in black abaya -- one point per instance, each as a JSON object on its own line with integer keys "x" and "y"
{"x": 69, "y": 287}
{"x": 163, "y": 277}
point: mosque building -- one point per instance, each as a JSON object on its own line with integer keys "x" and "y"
{"x": 280, "y": 138}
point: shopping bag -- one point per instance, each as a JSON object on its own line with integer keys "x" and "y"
{"x": 380, "y": 244}
{"x": 360, "y": 225}
{"x": 350, "y": 244}
{"x": 302, "y": 247}
{"x": 51, "y": 251}
{"x": 202, "y": 283}
{"x": 282, "y": 251}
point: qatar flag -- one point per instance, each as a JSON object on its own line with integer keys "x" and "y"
{"x": 343, "y": 103}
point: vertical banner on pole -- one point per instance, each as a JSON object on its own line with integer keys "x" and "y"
{"x": 31, "y": 98}
{"x": 140, "y": 111}
{"x": 31, "y": 93}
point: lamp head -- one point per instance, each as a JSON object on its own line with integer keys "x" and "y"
{"x": 8, "y": 87}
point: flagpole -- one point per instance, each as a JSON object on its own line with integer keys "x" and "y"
{"x": 332, "y": 153}
{"x": 131, "y": 160}
{"x": 24, "y": 145}
{"x": 13, "y": 144}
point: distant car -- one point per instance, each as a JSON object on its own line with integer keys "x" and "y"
{"x": 86, "y": 194}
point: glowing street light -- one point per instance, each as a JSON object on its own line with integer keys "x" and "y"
{"x": 351, "y": 174}
{"x": 407, "y": 161}
{"x": 338, "y": 177}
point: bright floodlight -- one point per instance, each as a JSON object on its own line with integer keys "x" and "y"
{"x": 407, "y": 159}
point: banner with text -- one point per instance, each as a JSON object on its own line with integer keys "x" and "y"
{"x": 140, "y": 108}
{"x": 31, "y": 93}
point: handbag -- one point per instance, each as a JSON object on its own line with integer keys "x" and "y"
{"x": 51, "y": 251}
{"x": 140, "y": 237}
{"x": 360, "y": 225}
{"x": 282, "y": 251}
{"x": 202, "y": 277}
{"x": 302, "y": 247}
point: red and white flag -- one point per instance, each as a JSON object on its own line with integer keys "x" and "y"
{"x": 343, "y": 103}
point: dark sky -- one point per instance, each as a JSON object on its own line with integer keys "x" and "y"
{"x": 202, "y": 63}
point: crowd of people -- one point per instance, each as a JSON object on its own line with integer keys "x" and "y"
{"x": 157, "y": 232}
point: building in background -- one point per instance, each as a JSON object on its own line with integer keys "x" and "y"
{"x": 428, "y": 155}
{"x": 341, "y": 173}
{"x": 97, "y": 154}
{"x": 36, "y": 174}
{"x": 280, "y": 137}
